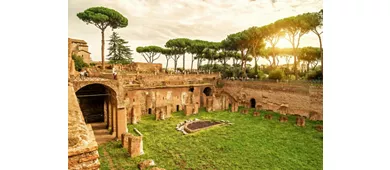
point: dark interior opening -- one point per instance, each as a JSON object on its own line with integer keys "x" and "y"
{"x": 207, "y": 91}
{"x": 149, "y": 111}
{"x": 91, "y": 100}
{"x": 253, "y": 103}
{"x": 177, "y": 107}
{"x": 191, "y": 89}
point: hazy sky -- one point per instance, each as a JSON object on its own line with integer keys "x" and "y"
{"x": 154, "y": 22}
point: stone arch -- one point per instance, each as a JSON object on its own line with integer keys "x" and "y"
{"x": 99, "y": 103}
{"x": 78, "y": 85}
{"x": 94, "y": 98}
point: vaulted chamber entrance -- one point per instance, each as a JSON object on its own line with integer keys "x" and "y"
{"x": 253, "y": 103}
{"x": 96, "y": 100}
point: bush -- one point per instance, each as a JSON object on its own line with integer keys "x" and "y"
{"x": 260, "y": 74}
{"x": 314, "y": 75}
{"x": 79, "y": 62}
{"x": 276, "y": 74}
{"x": 291, "y": 77}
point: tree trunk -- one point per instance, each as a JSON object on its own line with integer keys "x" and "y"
{"x": 184, "y": 61}
{"x": 198, "y": 64}
{"x": 322, "y": 60}
{"x": 192, "y": 61}
{"x": 224, "y": 64}
{"x": 103, "y": 68}
{"x": 308, "y": 66}
{"x": 242, "y": 60}
{"x": 273, "y": 56}
{"x": 175, "y": 63}
{"x": 166, "y": 67}
{"x": 256, "y": 72}
{"x": 295, "y": 67}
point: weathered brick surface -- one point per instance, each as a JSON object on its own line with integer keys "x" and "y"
{"x": 301, "y": 98}
{"x": 135, "y": 147}
{"x": 125, "y": 139}
{"x": 82, "y": 147}
{"x": 189, "y": 109}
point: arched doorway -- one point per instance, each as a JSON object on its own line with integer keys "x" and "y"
{"x": 97, "y": 103}
{"x": 253, "y": 103}
{"x": 207, "y": 91}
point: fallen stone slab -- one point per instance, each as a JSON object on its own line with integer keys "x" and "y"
{"x": 145, "y": 164}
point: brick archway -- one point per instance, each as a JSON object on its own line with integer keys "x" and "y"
{"x": 77, "y": 85}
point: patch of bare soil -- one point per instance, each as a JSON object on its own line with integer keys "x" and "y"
{"x": 201, "y": 124}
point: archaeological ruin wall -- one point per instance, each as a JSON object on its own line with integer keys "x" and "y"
{"x": 303, "y": 99}
{"x": 82, "y": 147}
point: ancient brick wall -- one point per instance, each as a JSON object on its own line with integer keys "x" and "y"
{"x": 150, "y": 80}
{"x": 82, "y": 147}
{"x": 158, "y": 97}
{"x": 301, "y": 98}
{"x": 145, "y": 67}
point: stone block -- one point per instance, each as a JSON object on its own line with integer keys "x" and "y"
{"x": 315, "y": 116}
{"x": 300, "y": 121}
{"x": 157, "y": 168}
{"x": 256, "y": 113}
{"x": 121, "y": 123}
{"x": 283, "y": 119}
{"x": 136, "y": 114}
{"x": 259, "y": 107}
{"x": 244, "y": 111}
{"x": 319, "y": 128}
{"x": 196, "y": 108}
{"x": 268, "y": 116}
{"x": 189, "y": 109}
{"x": 135, "y": 146}
{"x": 169, "y": 111}
{"x": 145, "y": 164}
{"x": 125, "y": 139}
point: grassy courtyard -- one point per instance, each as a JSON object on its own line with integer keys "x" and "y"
{"x": 250, "y": 143}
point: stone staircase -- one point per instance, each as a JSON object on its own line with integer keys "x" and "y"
{"x": 101, "y": 133}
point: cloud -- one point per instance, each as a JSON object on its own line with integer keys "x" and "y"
{"x": 153, "y": 22}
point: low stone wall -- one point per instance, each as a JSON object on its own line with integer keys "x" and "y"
{"x": 82, "y": 146}
{"x": 301, "y": 98}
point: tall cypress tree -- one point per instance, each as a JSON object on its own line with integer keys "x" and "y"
{"x": 118, "y": 51}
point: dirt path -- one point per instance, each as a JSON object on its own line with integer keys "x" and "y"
{"x": 110, "y": 164}
{"x": 102, "y": 135}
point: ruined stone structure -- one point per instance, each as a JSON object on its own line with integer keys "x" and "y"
{"x": 300, "y": 121}
{"x": 80, "y": 48}
{"x": 82, "y": 147}
{"x": 286, "y": 98}
{"x": 139, "y": 91}
{"x": 135, "y": 146}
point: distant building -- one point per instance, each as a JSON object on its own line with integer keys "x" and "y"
{"x": 80, "y": 48}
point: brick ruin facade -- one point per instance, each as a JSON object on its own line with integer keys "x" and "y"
{"x": 133, "y": 95}
{"x": 286, "y": 98}
{"x": 82, "y": 147}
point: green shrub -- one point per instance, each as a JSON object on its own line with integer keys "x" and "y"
{"x": 79, "y": 62}
{"x": 276, "y": 74}
{"x": 291, "y": 77}
{"x": 314, "y": 75}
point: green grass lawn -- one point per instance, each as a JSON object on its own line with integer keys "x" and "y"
{"x": 250, "y": 143}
